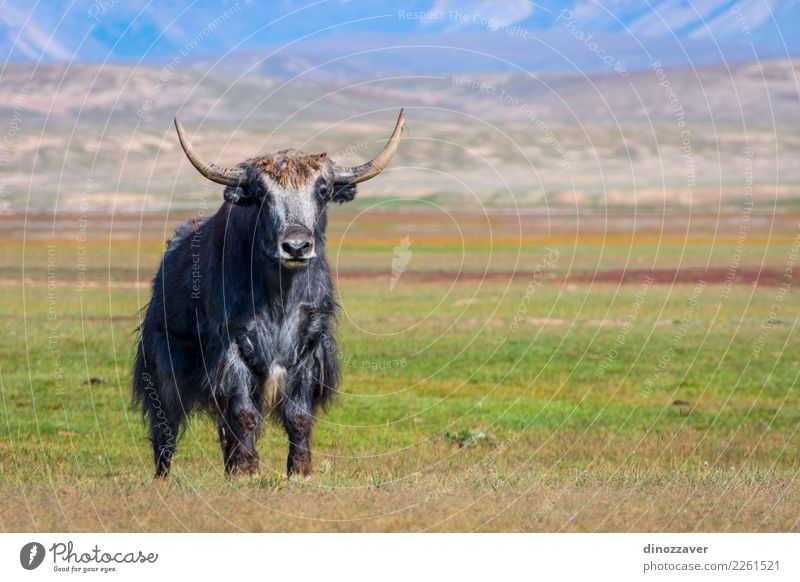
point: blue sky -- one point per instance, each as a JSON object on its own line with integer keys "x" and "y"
{"x": 562, "y": 34}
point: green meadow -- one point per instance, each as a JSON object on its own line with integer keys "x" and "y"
{"x": 534, "y": 372}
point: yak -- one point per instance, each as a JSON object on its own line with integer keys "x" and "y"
{"x": 241, "y": 320}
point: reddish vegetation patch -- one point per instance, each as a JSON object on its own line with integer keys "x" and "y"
{"x": 746, "y": 275}
{"x": 749, "y": 276}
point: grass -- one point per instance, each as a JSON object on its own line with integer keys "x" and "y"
{"x": 533, "y": 402}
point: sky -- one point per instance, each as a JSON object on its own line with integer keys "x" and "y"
{"x": 281, "y": 37}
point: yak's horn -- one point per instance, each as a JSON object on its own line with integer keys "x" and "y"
{"x": 362, "y": 172}
{"x": 215, "y": 173}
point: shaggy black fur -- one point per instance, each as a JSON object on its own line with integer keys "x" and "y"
{"x": 226, "y": 319}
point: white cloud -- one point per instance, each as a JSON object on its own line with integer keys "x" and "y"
{"x": 739, "y": 17}
{"x": 502, "y": 13}
{"x": 33, "y": 41}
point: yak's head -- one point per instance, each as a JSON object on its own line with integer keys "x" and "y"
{"x": 291, "y": 190}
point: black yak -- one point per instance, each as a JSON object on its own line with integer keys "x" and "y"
{"x": 241, "y": 319}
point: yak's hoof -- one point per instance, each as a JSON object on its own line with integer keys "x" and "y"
{"x": 247, "y": 470}
{"x": 243, "y": 467}
{"x": 299, "y": 466}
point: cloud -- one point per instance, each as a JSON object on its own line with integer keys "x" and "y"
{"x": 739, "y": 17}
{"x": 461, "y": 14}
{"x": 31, "y": 40}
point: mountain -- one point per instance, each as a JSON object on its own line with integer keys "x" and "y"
{"x": 89, "y": 136}
{"x": 745, "y": 94}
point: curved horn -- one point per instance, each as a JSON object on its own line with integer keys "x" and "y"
{"x": 215, "y": 173}
{"x": 362, "y": 172}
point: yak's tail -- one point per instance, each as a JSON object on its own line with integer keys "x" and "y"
{"x": 145, "y": 387}
{"x": 142, "y": 380}
{"x": 139, "y": 372}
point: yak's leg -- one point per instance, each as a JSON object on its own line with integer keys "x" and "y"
{"x": 164, "y": 424}
{"x": 164, "y": 435}
{"x": 163, "y": 416}
{"x": 238, "y": 440}
{"x": 312, "y": 381}
{"x": 240, "y": 421}
{"x": 298, "y": 420}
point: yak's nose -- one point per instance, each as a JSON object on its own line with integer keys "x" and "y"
{"x": 296, "y": 243}
{"x": 296, "y": 248}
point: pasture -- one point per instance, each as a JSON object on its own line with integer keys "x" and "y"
{"x": 592, "y": 370}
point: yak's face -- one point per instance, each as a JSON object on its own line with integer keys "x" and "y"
{"x": 291, "y": 190}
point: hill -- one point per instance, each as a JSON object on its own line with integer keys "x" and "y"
{"x": 87, "y": 134}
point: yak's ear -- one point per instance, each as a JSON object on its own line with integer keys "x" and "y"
{"x": 235, "y": 194}
{"x": 248, "y": 190}
{"x": 343, "y": 193}
{"x": 243, "y": 195}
